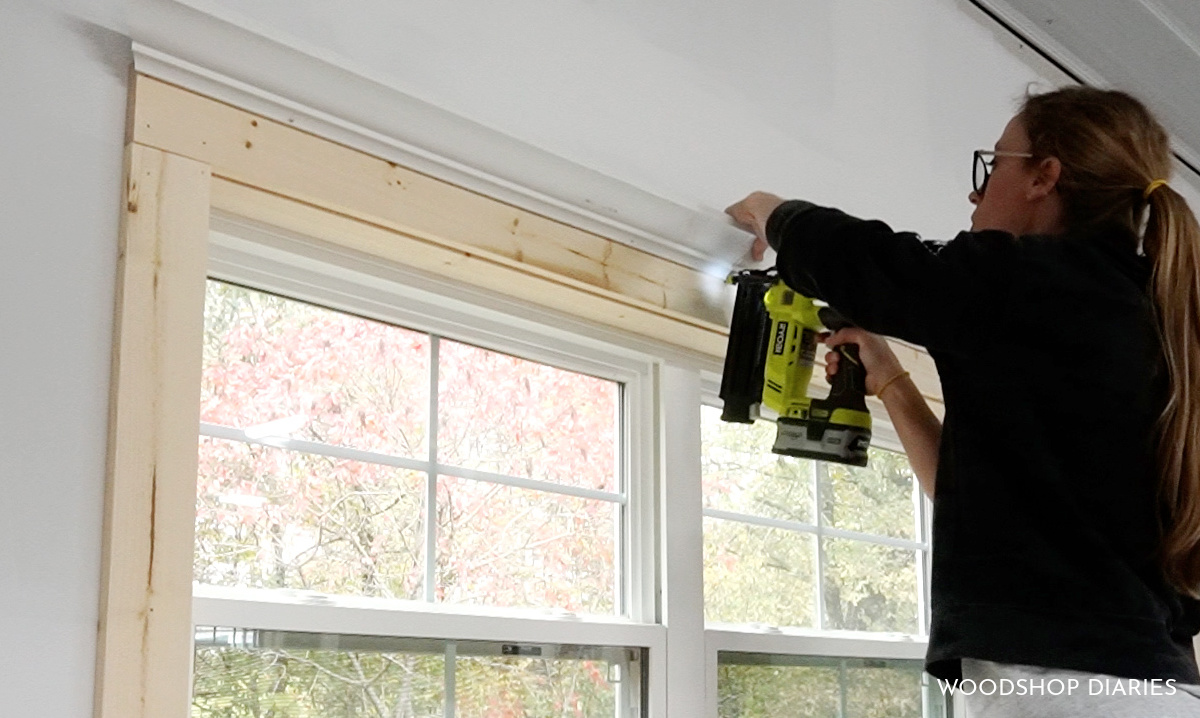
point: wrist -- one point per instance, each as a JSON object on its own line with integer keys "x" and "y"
{"x": 890, "y": 384}
{"x": 779, "y": 215}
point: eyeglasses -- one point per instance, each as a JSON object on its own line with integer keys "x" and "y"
{"x": 984, "y": 161}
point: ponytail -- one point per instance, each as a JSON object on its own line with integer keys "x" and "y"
{"x": 1172, "y": 242}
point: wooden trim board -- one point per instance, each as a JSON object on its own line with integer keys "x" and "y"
{"x": 515, "y": 279}
{"x": 491, "y": 241}
{"x": 272, "y": 156}
{"x": 144, "y": 642}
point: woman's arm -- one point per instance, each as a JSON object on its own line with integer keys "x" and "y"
{"x": 887, "y": 282}
{"x": 884, "y": 281}
{"x": 919, "y": 430}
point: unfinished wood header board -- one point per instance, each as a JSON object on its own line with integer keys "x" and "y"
{"x": 273, "y": 173}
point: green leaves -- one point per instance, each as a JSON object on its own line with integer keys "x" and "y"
{"x": 755, "y": 573}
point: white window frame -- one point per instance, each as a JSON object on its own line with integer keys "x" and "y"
{"x": 261, "y": 258}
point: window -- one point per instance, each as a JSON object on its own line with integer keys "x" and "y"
{"x": 321, "y": 469}
{"x": 813, "y": 573}
{"x": 801, "y": 543}
{"x": 763, "y": 686}
{"x": 247, "y": 672}
{"x": 350, "y": 467}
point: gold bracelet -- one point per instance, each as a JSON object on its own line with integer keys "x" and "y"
{"x": 886, "y": 384}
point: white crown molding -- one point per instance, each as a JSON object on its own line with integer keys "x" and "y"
{"x": 204, "y": 49}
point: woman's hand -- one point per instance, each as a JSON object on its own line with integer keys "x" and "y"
{"x": 877, "y": 357}
{"x": 919, "y": 430}
{"x": 751, "y": 214}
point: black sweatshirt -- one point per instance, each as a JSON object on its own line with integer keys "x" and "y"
{"x": 1044, "y": 520}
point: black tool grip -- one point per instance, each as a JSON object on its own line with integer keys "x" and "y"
{"x": 849, "y": 386}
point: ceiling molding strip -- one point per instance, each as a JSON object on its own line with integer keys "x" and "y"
{"x": 1028, "y": 31}
{"x": 193, "y": 47}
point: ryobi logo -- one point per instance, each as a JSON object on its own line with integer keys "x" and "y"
{"x": 781, "y": 332}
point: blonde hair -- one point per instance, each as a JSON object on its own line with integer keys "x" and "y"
{"x": 1112, "y": 152}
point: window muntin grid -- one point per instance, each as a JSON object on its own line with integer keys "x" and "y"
{"x": 782, "y": 534}
{"x": 589, "y": 494}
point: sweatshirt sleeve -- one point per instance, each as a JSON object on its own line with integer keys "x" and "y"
{"x": 887, "y": 282}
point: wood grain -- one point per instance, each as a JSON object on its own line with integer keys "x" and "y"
{"x": 474, "y": 239}
{"x": 145, "y": 630}
{"x": 270, "y": 155}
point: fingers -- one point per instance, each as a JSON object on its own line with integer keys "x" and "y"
{"x": 743, "y": 215}
{"x": 758, "y": 249}
{"x": 849, "y": 335}
{"x": 874, "y": 354}
{"x": 754, "y": 209}
{"x": 831, "y": 364}
{"x": 751, "y": 214}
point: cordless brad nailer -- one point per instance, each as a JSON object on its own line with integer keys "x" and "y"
{"x": 769, "y": 363}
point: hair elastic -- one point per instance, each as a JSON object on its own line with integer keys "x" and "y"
{"x": 1153, "y": 186}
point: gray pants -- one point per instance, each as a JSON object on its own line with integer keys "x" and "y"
{"x": 1056, "y": 693}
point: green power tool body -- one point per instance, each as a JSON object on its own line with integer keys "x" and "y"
{"x": 768, "y": 368}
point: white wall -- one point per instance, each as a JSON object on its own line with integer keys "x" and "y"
{"x": 871, "y": 104}
{"x": 62, "y": 108}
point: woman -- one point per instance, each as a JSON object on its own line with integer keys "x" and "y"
{"x": 1066, "y": 331}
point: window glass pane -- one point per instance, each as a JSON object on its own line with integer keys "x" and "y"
{"x": 761, "y": 685}
{"x": 772, "y": 691}
{"x": 514, "y": 686}
{"x": 340, "y": 379}
{"x": 269, "y": 518}
{"x": 875, "y": 499}
{"x": 869, "y": 587}
{"x": 237, "y": 675}
{"x": 504, "y": 546}
{"x": 279, "y": 674}
{"x": 758, "y": 574}
{"x": 741, "y": 474}
{"x": 506, "y": 415}
{"x": 875, "y": 690}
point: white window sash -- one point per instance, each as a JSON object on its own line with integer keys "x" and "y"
{"x": 310, "y": 612}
